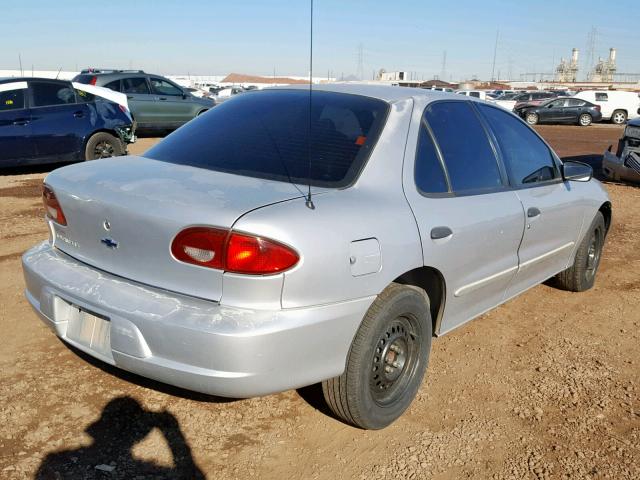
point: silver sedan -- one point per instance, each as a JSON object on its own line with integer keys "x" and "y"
{"x": 287, "y": 238}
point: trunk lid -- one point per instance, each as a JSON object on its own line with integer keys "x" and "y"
{"x": 123, "y": 213}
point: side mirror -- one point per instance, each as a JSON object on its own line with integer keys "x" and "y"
{"x": 576, "y": 171}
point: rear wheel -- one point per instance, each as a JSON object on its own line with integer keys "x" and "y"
{"x": 531, "y": 118}
{"x": 386, "y": 361}
{"x": 582, "y": 274}
{"x": 585, "y": 120}
{"x": 103, "y": 145}
{"x": 619, "y": 117}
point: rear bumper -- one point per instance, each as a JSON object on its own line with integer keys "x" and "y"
{"x": 192, "y": 343}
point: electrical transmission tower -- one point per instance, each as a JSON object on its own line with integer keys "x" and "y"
{"x": 591, "y": 50}
{"x": 443, "y": 74}
{"x": 360, "y": 72}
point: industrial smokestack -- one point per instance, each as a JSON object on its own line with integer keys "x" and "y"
{"x": 574, "y": 56}
{"x": 612, "y": 55}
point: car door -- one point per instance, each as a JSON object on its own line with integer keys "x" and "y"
{"x": 172, "y": 104}
{"x": 470, "y": 222}
{"x": 16, "y": 142}
{"x": 556, "y": 111}
{"x": 141, "y": 100}
{"x": 59, "y": 123}
{"x": 554, "y": 213}
{"x": 573, "y": 108}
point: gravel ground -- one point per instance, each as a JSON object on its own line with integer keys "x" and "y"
{"x": 545, "y": 386}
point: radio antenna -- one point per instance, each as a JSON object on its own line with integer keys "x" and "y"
{"x": 309, "y": 202}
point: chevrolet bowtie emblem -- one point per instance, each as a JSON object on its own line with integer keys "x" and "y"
{"x": 108, "y": 242}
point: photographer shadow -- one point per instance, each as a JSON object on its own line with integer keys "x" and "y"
{"x": 123, "y": 424}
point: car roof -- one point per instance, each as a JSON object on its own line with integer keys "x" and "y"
{"x": 388, "y": 93}
{"x": 26, "y": 79}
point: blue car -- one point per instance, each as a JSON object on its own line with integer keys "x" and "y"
{"x": 47, "y": 121}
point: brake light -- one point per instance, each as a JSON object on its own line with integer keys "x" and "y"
{"x": 93, "y": 80}
{"x": 52, "y": 206}
{"x": 222, "y": 249}
{"x": 123, "y": 109}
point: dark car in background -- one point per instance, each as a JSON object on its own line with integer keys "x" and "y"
{"x": 48, "y": 121}
{"x": 156, "y": 102}
{"x": 533, "y": 98}
{"x": 561, "y": 110}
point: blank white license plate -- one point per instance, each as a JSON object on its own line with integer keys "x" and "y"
{"x": 91, "y": 331}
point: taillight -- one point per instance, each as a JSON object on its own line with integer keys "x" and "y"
{"x": 93, "y": 80}
{"x": 201, "y": 246}
{"x": 123, "y": 108}
{"x": 232, "y": 252}
{"x": 597, "y": 107}
{"x": 52, "y": 206}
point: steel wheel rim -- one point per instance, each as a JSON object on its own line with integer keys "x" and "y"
{"x": 584, "y": 120}
{"x": 103, "y": 149}
{"x": 593, "y": 254}
{"x": 394, "y": 362}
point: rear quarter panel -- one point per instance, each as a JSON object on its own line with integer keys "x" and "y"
{"x": 373, "y": 208}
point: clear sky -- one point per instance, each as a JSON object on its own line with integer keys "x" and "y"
{"x": 251, "y": 36}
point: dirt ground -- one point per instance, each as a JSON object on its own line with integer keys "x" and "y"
{"x": 545, "y": 386}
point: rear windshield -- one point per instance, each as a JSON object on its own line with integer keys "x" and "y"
{"x": 266, "y": 135}
{"x": 86, "y": 79}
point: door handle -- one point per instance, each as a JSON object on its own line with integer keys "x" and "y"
{"x": 21, "y": 121}
{"x": 129, "y": 97}
{"x": 440, "y": 232}
{"x": 78, "y": 114}
{"x": 162, "y": 98}
{"x": 533, "y": 212}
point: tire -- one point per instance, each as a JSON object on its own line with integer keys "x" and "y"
{"x": 584, "y": 120}
{"x": 103, "y": 145}
{"x": 619, "y": 117}
{"x": 386, "y": 361}
{"x": 582, "y": 274}
{"x": 201, "y": 112}
{"x": 531, "y": 118}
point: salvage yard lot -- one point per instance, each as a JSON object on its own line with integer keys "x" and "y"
{"x": 545, "y": 386}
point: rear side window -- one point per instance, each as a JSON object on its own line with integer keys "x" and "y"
{"x": 575, "y": 102}
{"x": 84, "y": 78}
{"x": 47, "y": 94}
{"x": 266, "y": 134}
{"x": 474, "y": 94}
{"x": 11, "y": 99}
{"x": 84, "y": 97}
{"x": 601, "y": 97}
{"x": 115, "y": 85}
{"x": 527, "y": 158}
{"x": 135, "y": 85}
{"x": 465, "y": 147}
{"x": 428, "y": 173}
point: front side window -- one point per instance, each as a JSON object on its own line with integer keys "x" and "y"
{"x": 527, "y": 158}
{"x": 11, "y": 99}
{"x": 48, "y": 94}
{"x": 135, "y": 85}
{"x": 428, "y": 173}
{"x": 162, "y": 87}
{"x": 266, "y": 135}
{"x": 465, "y": 147}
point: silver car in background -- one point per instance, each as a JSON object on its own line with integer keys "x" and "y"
{"x": 204, "y": 264}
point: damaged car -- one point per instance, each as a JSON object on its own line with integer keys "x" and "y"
{"x": 48, "y": 121}
{"x": 624, "y": 165}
